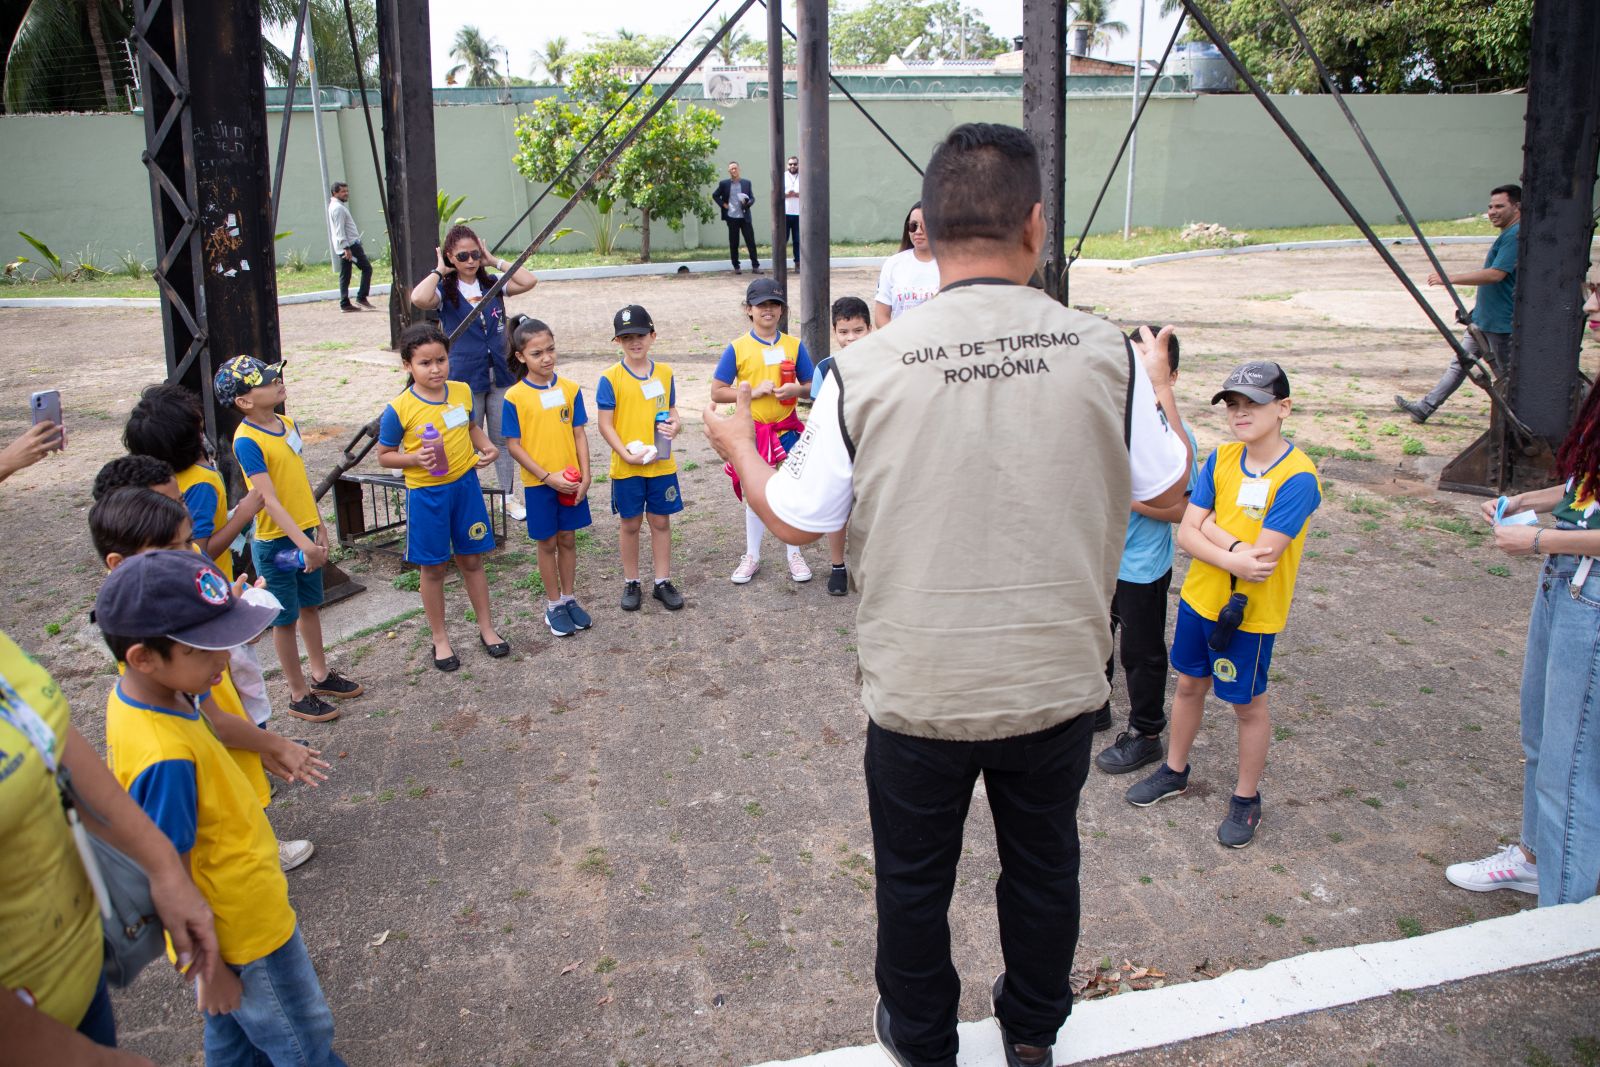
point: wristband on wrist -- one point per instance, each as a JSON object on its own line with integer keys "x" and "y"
{"x": 1235, "y": 545}
{"x": 1537, "y": 534}
{"x": 437, "y": 273}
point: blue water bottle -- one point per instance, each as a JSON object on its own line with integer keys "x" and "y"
{"x": 289, "y": 559}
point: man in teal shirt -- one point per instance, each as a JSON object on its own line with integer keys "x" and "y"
{"x": 1497, "y": 288}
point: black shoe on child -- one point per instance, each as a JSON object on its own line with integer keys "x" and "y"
{"x": 1239, "y": 828}
{"x": 337, "y": 686}
{"x": 838, "y": 581}
{"x": 668, "y": 594}
{"x": 313, "y": 708}
{"x": 1130, "y": 751}
{"x": 631, "y": 597}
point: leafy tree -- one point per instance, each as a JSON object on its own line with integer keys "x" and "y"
{"x": 756, "y": 51}
{"x": 628, "y": 49}
{"x": 883, "y": 28}
{"x": 1399, "y": 46}
{"x": 732, "y": 44}
{"x": 331, "y": 38}
{"x": 555, "y": 58}
{"x": 61, "y": 57}
{"x": 1102, "y": 27}
{"x": 475, "y": 54}
{"x": 663, "y": 173}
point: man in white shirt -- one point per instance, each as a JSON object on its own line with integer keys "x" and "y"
{"x": 983, "y": 447}
{"x": 791, "y": 208}
{"x": 347, "y": 239}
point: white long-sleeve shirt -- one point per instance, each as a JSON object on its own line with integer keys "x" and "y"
{"x": 343, "y": 224}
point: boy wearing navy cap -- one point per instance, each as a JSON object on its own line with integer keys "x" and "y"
{"x": 171, "y": 617}
{"x": 1244, "y": 529}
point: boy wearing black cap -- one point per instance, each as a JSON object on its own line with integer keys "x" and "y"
{"x": 1244, "y": 530}
{"x": 638, "y": 401}
{"x": 171, "y": 617}
{"x": 779, "y": 370}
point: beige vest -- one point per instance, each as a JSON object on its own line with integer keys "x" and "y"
{"x": 991, "y": 497}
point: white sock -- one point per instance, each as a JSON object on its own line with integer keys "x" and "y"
{"x": 794, "y": 550}
{"x": 553, "y": 604}
{"x": 566, "y": 598}
{"x": 754, "y": 531}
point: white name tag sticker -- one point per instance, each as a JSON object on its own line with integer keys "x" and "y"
{"x": 653, "y": 389}
{"x": 1253, "y": 493}
{"x": 774, "y": 356}
{"x": 455, "y": 417}
{"x": 554, "y": 398}
{"x": 294, "y": 440}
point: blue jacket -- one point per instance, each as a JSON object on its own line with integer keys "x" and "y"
{"x": 478, "y": 356}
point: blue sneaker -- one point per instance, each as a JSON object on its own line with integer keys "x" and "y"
{"x": 559, "y": 619}
{"x": 580, "y": 618}
{"x": 1164, "y": 783}
{"x": 1244, "y": 815}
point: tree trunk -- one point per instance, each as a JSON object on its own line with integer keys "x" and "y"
{"x": 91, "y": 11}
{"x": 644, "y": 235}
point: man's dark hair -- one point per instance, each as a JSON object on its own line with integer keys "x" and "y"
{"x": 850, "y": 307}
{"x": 337, "y": 186}
{"x": 131, "y": 519}
{"x": 1513, "y": 193}
{"x": 166, "y": 424}
{"x": 141, "y": 472}
{"x": 980, "y": 186}
{"x": 119, "y": 645}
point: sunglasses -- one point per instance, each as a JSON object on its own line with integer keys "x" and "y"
{"x": 468, "y": 256}
{"x": 914, "y": 227}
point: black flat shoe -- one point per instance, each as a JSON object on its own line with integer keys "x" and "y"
{"x": 449, "y": 663}
{"x": 499, "y": 651}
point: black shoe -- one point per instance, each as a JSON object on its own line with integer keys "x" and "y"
{"x": 1239, "y": 828}
{"x": 1038, "y": 1057}
{"x": 1164, "y": 783}
{"x": 668, "y": 594}
{"x": 337, "y": 686}
{"x": 1130, "y": 751}
{"x": 736, "y": 270}
{"x": 1102, "y": 719}
{"x": 452, "y": 662}
{"x": 1418, "y": 411}
{"x": 348, "y": 307}
{"x": 313, "y": 708}
{"x": 755, "y": 268}
{"x": 880, "y": 1030}
{"x": 366, "y": 304}
{"x": 838, "y": 581}
{"x": 499, "y": 650}
{"x": 631, "y": 599}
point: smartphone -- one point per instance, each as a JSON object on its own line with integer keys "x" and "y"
{"x": 46, "y": 407}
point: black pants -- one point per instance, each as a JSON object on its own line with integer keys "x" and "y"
{"x": 791, "y": 228}
{"x": 1140, "y": 610}
{"x": 735, "y": 228}
{"x": 358, "y": 258}
{"x": 918, "y": 792}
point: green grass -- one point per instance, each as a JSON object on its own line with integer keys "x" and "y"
{"x": 408, "y": 581}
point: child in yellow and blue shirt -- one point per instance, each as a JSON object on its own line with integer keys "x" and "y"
{"x": 543, "y": 426}
{"x": 445, "y": 513}
{"x": 170, "y": 617}
{"x": 638, "y": 400}
{"x": 1245, "y": 527}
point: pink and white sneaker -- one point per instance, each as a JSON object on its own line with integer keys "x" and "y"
{"x": 1506, "y": 869}
{"x": 798, "y": 569}
{"x": 746, "y": 570}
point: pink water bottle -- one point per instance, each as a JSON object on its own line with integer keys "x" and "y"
{"x": 431, "y": 439}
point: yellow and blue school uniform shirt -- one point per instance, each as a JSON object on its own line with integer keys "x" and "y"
{"x": 277, "y": 454}
{"x": 752, "y": 359}
{"x": 633, "y": 402}
{"x": 207, "y": 500}
{"x": 543, "y": 417}
{"x": 49, "y": 921}
{"x": 1280, "y": 499}
{"x": 174, "y": 767}
{"x": 402, "y": 423}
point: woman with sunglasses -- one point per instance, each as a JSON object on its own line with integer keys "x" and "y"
{"x": 1558, "y": 855}
{"x": 478, "y": 357}
{"x": 910, "y": 276}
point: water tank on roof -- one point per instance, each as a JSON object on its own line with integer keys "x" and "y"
{"x": 1208, "y": 71}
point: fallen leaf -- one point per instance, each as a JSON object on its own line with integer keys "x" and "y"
{"x": 569, "y": 968}
{"x": 380, "y": 939}
{"x": 604, "y": 1000}
{"x": 342, "y": 755}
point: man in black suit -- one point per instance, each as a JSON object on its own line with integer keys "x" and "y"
{"x": 734, "y": 199}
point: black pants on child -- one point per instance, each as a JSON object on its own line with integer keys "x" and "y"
{"x": 1139, "y": 609}
{"x": 918, "y": 792}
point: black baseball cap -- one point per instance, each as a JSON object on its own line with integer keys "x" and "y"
{"x": 1262, "y": 381}
{"x": 632, "y": 319}
{"x": 765, "y": 291}
{"x": 181, "y": 595}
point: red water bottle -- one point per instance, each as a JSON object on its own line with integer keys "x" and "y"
{"x": 786, "y": 377}
{"x": 571, "y": 474}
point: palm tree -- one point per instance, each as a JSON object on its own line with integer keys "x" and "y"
{"x": 1101, "y": 27}
{"x": 732, "y": 43}
{"x": 475, "y": 53}
{"x": 61, "y": 58}
{"x": 556, "y": 58}
{"x": 330, "y": 36}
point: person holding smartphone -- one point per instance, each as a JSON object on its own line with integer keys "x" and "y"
{"x": 31, "y": 446}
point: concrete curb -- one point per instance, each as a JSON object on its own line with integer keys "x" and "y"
{"x": 1315, "y": 981}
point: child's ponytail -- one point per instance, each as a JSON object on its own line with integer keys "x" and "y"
{"x": 523, "y": 328}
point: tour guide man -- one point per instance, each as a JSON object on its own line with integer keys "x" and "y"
{"x": 984, "y": 447}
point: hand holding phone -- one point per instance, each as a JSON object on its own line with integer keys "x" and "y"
{"x": 45, "y": 407}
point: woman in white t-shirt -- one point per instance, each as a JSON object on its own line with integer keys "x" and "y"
{"x": 910, "y": 276}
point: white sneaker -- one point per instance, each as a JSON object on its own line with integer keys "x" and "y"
{"x": 292, "y": 854}
{"x": 514, "y": 509}
{"x": 1506, "y": 869}
{"x": 746, "y": 570}
{"x": 798, "y": 569}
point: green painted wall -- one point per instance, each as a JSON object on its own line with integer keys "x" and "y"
{"x": 75, "y": 181}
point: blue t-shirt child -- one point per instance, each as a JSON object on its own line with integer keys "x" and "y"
{"x": 1147, "y": 546}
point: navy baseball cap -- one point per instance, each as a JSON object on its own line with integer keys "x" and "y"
{"x": 181, "y": 595}
{"x": 240, "y": 375}
{"x": 1260, "y": 380}
{"x": 632, "y": 319}
{"x": 765, "y": 291}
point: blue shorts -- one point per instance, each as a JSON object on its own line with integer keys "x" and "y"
{"x": 294, "y": 589}
{"x": 548, "y": 516}
{"x": 1238, "y": 673}
{"x": 658, "y": 495}
{"x": 447, "y": 520}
